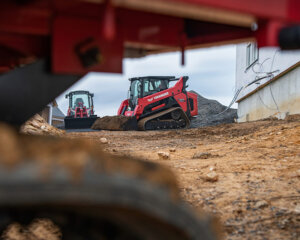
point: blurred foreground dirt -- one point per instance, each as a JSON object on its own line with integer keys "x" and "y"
{"x": 247, "y": 174}
{"x": 40, "y": 229}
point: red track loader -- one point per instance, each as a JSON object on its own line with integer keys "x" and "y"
{"x": 81, "y": 110}
{"x": 156, "y": 106}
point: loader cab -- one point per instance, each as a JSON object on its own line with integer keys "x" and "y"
{"x": 80, "y": 100}
{"x": 81, "y": 110}
{"x": 144, "y": 86}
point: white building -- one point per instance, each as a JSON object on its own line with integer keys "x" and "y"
{"x": 268, "y": 81}
{"x": 53, "y": 115}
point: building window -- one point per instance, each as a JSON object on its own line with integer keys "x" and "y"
{"x": 251, "y": 54}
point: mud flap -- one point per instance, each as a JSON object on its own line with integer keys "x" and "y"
{"x": 77, "y": 123}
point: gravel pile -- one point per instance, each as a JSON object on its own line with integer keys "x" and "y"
{"x": 208, "y": 111}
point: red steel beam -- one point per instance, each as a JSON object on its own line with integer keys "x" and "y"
{"x": 216, "y": 38}
{"x": 286, "y": 10}
{"x": 150, "y": 28}
{"x": 25, "y": 19}
{"x": 146, "y": 24}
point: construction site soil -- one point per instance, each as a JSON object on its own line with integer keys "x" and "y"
{"x": 246, "y": 174}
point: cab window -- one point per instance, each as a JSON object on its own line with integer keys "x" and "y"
{"x": 80, "y": 100}
{"x": 135, "y": 88}
{"x": 148, "y": 87}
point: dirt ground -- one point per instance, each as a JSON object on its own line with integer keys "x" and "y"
{"x": 247, "y": 174}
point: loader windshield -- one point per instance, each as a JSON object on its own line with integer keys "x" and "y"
{"x": 152, "y": 86}
{"x": 143, "y": 87}
{"x": 80, "y": 100}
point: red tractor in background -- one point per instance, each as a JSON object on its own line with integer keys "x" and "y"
{"x": 81, "y": 110}
{"x": 156, "y": 106}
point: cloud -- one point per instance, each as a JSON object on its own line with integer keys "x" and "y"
{"x": 211, "y": 73}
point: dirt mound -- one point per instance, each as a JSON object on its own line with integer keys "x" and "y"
{"x": 38, "y": 126}
{"x": 115, "y": 123}
{"x": 208, "y": 113}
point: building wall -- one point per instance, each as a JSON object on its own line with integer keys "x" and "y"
{"x": 269, "y": 59}
{"x": 279, "y": 99}
{"x": 57, "y": 122}
{"x": 45, "y": 113}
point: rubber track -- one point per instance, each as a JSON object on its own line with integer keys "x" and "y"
{"x": 142, "y": 122}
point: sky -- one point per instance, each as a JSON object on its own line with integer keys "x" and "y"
{"x": 211, "y": 73}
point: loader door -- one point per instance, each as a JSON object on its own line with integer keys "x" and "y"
{"x": 135, "y": 93}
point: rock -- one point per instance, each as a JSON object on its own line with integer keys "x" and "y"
{"x": 103, "y": 140}
{"x": 202, "y": 155}
{"x": 238, "y": 211}
{"x": 211, "y": 176}
{"x": 281, "y": 212}
{"x": 297, "y": 209}
{"x": 212, "y": 168}
{"x": 38, "y": 126}
{"x": 283, "y": 223}
{"x": 261, "y": 204}
{"x": 295, "y": 174}
{"x": 172, "y": 149}
{"x": 241, "y": 230}
{"x": 163, "y": 155}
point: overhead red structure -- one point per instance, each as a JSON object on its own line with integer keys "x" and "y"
{"x": 95, "y": 35}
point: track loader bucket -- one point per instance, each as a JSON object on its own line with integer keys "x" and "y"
{"x": 116, "y": 123}
{"x": 76, "y": 123}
